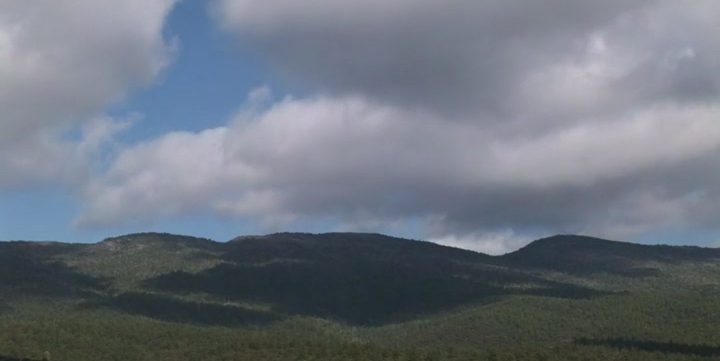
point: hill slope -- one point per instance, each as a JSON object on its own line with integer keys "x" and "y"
{"x": 587, "y": 255}
{"x": 324, "y": 294}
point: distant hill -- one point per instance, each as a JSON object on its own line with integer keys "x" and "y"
{"x": 581, "y": 254}
{"x": 377, "y": 292}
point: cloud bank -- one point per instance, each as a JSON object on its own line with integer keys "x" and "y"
{"x": 483, "y": 123}
{"x": 474, "y": 117}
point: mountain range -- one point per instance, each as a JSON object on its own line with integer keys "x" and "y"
{"x": 154, "y": 296}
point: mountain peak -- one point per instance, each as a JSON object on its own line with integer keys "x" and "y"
{"x": 574, "y": 241}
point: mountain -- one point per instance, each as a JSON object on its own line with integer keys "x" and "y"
{"x": 355, "y": 295}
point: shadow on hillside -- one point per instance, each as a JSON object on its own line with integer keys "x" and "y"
{"x": 5, "y": 309}
{"x": 174, "y": 310}
{"x": 362, "y": 293}
{"x": 50, "y": 279}
{"x": 9, "y": 358}
{"x": 654, "y": 346}
{"x": 31, "y": 268}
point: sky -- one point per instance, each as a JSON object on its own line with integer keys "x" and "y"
{"x": 481, "y": 124}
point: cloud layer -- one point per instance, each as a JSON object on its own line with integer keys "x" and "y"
{"x": 367, "y": 164}
{"x": 482, "y": 123}
{"x": 473, "y": 117}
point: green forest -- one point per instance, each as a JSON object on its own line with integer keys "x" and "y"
{"x": 353, "y": 296}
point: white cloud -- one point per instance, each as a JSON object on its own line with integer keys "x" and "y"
{"x": 361, "y": 162}
{"x": 61, "y": 63}
{"x": 178, "y": 172}
{"x": 494, "y": 243}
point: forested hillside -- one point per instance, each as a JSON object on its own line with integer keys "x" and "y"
{"x": 351, "y": 296}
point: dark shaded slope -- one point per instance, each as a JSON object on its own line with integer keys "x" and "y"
{"x": 587, "y": 255}
{"x": 176, "y": 310}
{"x": 9, "y": 358}
{"x": 342, "y": 248}
{"x": 30, "y": 268}
{"x": 700, "y": 350}
{"x": 357, "y": 278}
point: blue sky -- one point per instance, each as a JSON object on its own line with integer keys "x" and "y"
{"x": 205, "y": 83}
{"x": 481, "y": 125}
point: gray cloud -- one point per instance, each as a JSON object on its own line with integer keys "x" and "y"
{"x": 495, "y": 118}
{"x": 454, "y": 55}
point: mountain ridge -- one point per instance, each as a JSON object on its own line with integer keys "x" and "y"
{"x": 550, "y": 241}
{"x": 352, "y": 288}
